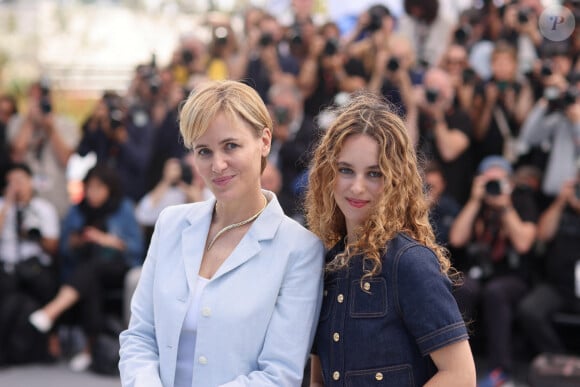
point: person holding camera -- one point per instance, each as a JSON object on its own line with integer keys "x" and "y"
{"x": 122, "y": 137}
{"x": 497, "y": 227}
{"x": 443, "y": 132}
{"x": 293, "y": 136}
{"x": 264, "y": 61}
{"x": 44, "y": 140}
{"x": 463, "y": 78}
{"x": 325, "y": 73}
{"x": 29, "y": 232}
{"x": 553, "y": 126}
{"x": 558, "y": 228}
{"x": 30, "y": 228}
{"x": 501, "y": 105}
{"x": 100, "y": 241}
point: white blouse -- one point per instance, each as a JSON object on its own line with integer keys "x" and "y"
{"x": 187, "y": 338}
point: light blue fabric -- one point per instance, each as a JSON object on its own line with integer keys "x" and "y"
{"x": 259, "y": 310}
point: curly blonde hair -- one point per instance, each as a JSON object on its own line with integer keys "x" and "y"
{"x": 401, "y": 208}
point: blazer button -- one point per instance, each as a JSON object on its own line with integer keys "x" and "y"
{"x": 206, "y": 312}
{"x": 202, "y": 360}
{"x": 325, "y": 293}
{"x": 336, "y": 375}
{"x": 379, "y": 376}
{"x": 367, "y": 286}
{"x": 340, "y": 298}
{"x": 336, "y": 337}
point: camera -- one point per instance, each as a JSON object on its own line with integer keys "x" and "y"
{"x": 393, "y": 64}
{"x": 468, "y": 75}
{"x": 187, "y": 56}
{"x": 461, "y": 34}
{"x": 494, "y": 187}
{"x": 266, "y": 39}
{"x": 44, "y": 102}
{"x": 330, "y": 47}
{"x": 295, "y": 35}
{"x": 281, "y": 115}
{"x": 570, "y": 96}
{"x": 523, "y": 15}
{"x": 546, "y": 69}
{"x": 431, "y": 95}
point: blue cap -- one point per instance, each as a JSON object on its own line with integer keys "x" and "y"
{"x": 494, "y": 161}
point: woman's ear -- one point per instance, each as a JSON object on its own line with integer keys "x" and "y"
{"x": 266, "y": 141}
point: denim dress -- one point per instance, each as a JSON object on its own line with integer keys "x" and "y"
{"x": 380, "y": 332}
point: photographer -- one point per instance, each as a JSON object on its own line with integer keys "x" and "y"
{"x": 44, "y": 140}
{"x": 324, "y": 73}
{"x": 554, "y": 125}
{"x": 559, "y": 228}
{"x": 501, "y": 105}
{"x": 178, "y": 185}
{"x": 29, "y": 231}
{"x": 463, "y": 77}
{"x": 443, "y": 132}
{"x": 8, "y": 109}
{"x": 122, "y": 137}
{"x": 264, "y": 60}
{"x": 497, "y": 226}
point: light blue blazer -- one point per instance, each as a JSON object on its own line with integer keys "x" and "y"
{"x": 259, "y": 312}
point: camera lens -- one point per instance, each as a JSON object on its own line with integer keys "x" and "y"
{"x": 493, "y": 188}
{"x": 431, "y": 95}
{"x": 393, "y": 64}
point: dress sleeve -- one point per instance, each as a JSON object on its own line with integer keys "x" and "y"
{"x": 425, "y": 301}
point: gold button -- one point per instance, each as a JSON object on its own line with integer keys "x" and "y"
{"x": 340, "y": 298}
{"x": 336, "y": 375}
{"x": 336, "y": 337}
{"x": 367, "y": 286}
{"x": 379, "y": 376}
{"x": 325, "y": 293}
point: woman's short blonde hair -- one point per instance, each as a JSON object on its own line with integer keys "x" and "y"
{"x": 232, "y": 98}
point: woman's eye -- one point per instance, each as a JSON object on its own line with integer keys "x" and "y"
{"x": 203, "y": 152}
{"x": 375, "y": 174}
{"x": 345, "y": 171}
{"x": 231, "y": 145}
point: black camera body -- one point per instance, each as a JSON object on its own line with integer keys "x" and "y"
{"x": 44, "y": 102}
{"x": 494, "y": 187}
{"x": 281, "y": 115}
{"x": 468, "y": 75}
{"x": 330, "y": 47}
{"x": 266, "y": 39}
{"x": 431, "y": 95}
{"x": 523, "y": 15}
{"x": 393, "y": 64}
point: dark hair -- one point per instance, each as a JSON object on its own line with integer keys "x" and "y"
{"x": 19, "y": 166}
{"x": 430, "y": 9}
{"x": 111, "y": 179}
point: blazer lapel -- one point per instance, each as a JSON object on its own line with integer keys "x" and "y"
{"x": 193, "y": 240}
{"x": 263, "y": 228}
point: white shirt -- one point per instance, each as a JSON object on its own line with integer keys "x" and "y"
{"x": 39, "y": 214}
{"x": 187, "y": 339}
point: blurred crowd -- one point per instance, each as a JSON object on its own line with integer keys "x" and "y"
{"x": 491, "y": 104}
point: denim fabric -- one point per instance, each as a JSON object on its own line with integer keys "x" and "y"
{"x": 381, "y": 334}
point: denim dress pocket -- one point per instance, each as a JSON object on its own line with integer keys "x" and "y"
{"x": 393, "y": 376}
{"x": 370, "y": 300}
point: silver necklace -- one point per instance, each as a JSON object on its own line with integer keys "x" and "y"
{"x": 239, "y": 224}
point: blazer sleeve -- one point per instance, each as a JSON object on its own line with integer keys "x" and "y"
{"x": 139, "y": 355}
{"x": 293, "y": 323}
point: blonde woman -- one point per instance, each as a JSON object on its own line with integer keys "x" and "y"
{"x": 388, "y": 316}
{"x": 231, "y": 287}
